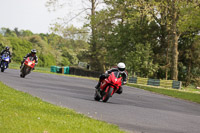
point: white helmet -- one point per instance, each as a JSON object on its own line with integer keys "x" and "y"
{"x": 121, "y": 66}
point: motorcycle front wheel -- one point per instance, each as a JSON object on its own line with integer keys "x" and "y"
{"x": 3, "y": 67}
{"x": 107, "y": 94}
{"x": 22, "y": 73}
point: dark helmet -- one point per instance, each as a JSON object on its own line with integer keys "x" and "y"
{"x": 7, "y": 48}
{"x": 33, "y": 51}
{"x": 121, "y": 66}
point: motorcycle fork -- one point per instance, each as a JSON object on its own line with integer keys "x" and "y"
{"x": 104, "y": 90}
{"x": 3, "y": 64}
{"x": 107, "y": 89}
{"x": 113, "y": 90}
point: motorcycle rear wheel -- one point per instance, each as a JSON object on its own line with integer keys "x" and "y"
{"x": 96, "y": 96}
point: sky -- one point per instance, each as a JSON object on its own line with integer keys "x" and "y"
{"x": 33, "y": 15}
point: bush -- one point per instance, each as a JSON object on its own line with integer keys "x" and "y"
{"x": 46, "y": 60}
{"x": 19, "y": 48}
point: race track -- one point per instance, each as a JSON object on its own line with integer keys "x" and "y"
{"x": 135, "y": 110}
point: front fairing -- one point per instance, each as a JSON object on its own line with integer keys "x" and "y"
{"x": 5, "y": 57}
{"x": 115, "y": 79}
{"x": 29, "y": 62}
{"x": 104, "y": 83}
{"x": 112, "y": 81}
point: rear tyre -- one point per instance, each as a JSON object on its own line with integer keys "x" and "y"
{"x": 96, "y": 96}
{"x": 107, "y": 95}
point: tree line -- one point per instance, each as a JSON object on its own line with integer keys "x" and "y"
{"x": 52, "y": 49}
{"x": 154, "y": 38}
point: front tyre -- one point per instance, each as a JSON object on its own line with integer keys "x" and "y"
{"x": 23, "y": 72}
{"x": 3, "y": 67}
{"x": 22, "y": 75}
{"x": 107, "y": 95}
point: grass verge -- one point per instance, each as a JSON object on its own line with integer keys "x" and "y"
{"x": 181, "y": 94}
{"x": 23, "y": 113}
{"x": 37, "y": 69}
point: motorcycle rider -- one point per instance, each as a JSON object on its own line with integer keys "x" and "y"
{"x": 120, "y": 68}
{"x": 32, "y": 54}
{"x": 6, "y": 51}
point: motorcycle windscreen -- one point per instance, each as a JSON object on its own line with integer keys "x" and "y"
{"x": 115, "y": 78}
{"x": 5, "y": 57}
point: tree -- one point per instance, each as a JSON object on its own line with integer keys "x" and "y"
{"x": 150, "y": 36}
{"x": 7, "y": 32}
{"x": 121, "y": 32}
{"x": 4, "y": 42}
{"x": 190, "y": 58}
{"x": 70, "y": 32}
{"x": 177, "y": 11}
{"x": 20, "y": 47}
{"x": 25, "y": 33}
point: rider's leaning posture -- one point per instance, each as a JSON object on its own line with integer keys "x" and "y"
{"x": 121, "y": 69}
{"x": 32, "y": 54}
{"x": 6, "y": 51}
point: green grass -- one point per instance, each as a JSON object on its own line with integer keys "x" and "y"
{"x": 185, "y": 94}
{"x": 37, "y": 69}
{"x": 191, "y": 88}
{"x": 23, "y": 113}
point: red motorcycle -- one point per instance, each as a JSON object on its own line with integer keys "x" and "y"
{"x": 26, "y": 68}
{"x": 108, "y": 87}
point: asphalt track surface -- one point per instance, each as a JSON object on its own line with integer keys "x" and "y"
{"x": 135, "y": 110}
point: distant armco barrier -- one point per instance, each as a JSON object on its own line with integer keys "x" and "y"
{"x": 74, "y": 71}
{"x": 156, "y": 82}
{"x": 83, "y": 72}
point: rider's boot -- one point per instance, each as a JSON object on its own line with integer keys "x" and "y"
{"x": 98, "y": 86}
{"x": 21, "y": 64}
{"x": 120, "y": 90}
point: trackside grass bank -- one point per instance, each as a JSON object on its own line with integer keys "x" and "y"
{"x": 181, "y": 94}
{"x": 23, "y": 113}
